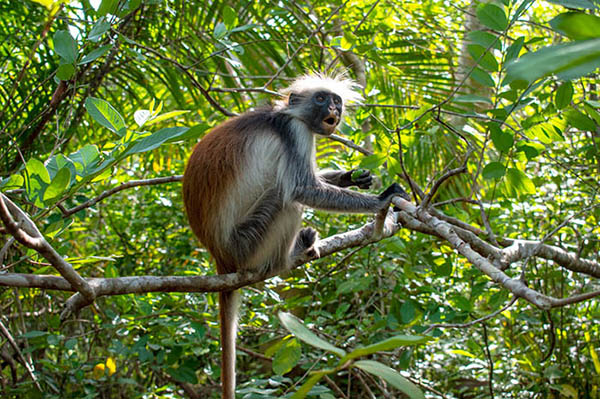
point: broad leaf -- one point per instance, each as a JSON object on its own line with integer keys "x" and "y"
{"x": 295, "y": 326}
{"x": 517, "y": 183}
{"x": 105, "y": 114}
{"x": 307, "y": 386}
{"x": 65, "y": 46}
{"x": 386, "y": 345}
{"x": 564, "y": 95}
{"x": 492, "y": 16}
{"x": 58, "y": 185}
{"x": 577, "y": 25}
{"x": 99, "y": 52}
{"x": 287, "y": 357}
{"x": 155, "y": 140}
{"x": 493, "y": 170}
{"x": 392, "y": 377}
{"x": 568, "y": 61}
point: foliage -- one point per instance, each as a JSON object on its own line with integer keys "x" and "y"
{"x": 96, "y": 94}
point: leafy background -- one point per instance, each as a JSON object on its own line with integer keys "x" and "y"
{"x": 95, "y": 94}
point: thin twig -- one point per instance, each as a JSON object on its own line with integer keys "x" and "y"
{"x": 28, "y": 366}
{"x": 472, "y": 323}
{"x": 114, "y": 190}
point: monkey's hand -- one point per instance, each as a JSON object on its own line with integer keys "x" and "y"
{"x": 394, "y": 191}
{"x": 360, "y": 178}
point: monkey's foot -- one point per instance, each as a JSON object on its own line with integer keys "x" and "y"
{"x": 307, "y": 237}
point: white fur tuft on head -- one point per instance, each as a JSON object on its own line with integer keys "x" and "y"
{"x": 348, "y": 89}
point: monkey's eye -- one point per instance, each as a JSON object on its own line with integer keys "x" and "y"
{"x": 337, "y": 100}
{"x": 320, "y": 98}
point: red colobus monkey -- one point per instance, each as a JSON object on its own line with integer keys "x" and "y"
{"x": 247, "y": 181}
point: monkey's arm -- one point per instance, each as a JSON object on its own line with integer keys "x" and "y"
{"x": 330, "y": 198}
{"x": 342, "y": 178}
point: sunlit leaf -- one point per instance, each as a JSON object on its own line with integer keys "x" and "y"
{"x": 287, "y": 357}
{"x": 59, "y": 184}
{"x": 566, "y": 60}
{"x": 105, "y": 114}
{"x": 577, "y": 25}
{"x": 517, "y": 183}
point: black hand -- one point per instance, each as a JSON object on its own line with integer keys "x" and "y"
{"x": 363, "y": 180}
{"x": 394, "y": 190}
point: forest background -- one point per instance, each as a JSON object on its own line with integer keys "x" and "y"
{"x": 484, "y": 286}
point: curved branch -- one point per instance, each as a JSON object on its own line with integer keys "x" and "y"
{"x": 114, "y": 190}
{"x": 25, "y": 231}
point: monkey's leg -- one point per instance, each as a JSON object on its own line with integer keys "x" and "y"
{"x": 248, "y": 235}
{"x": 229, "y": 303}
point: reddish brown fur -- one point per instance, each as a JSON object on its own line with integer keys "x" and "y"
{"x": 210, "y": 171}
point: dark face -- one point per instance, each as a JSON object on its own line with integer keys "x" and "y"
{"x": 322, "y": 110}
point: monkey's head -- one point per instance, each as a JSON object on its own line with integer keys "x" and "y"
{"x": 319, "y": 101}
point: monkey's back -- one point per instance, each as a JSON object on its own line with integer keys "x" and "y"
{"x": 230, "y": 170}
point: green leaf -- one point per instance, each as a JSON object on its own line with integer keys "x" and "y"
{"x": 307, "y": 386}
{"x": 65, "y": 71}
{"x": 165, "y": 116}
{"x": 493, "y": 170}
{"x": 482, "y": 57}
{"x": 585, "y": 4}
{"x": 229, "y": 16}
{"x": 373, "y": 161}
{"x": 492, "y": 16}
{"x": 392, "y": 377}
{"x": 577, "y": 25}
{"x": 580, "y": 121}
{"x": 564, "y": 95}
{"x": 295, "y": 326}
{"x": 287, "y": 357}
{"x": 567, "y": 60}
{"x": 482, "y": 77}
{"x": 65, "y": 46}
{"x": 220, "y": 31}
{"x": 386, "y": 345}
{"x": 514, "y": 49}
{"x": 181, "y": 374}
{"x": 105, "y": 114}
{"x": 517, "y": 183}
{"x": 36, "y": 167}
{"x": 58, "y": 185}
{"x": 503, "y": 141}
{"x": 107, "y": 7}
{"x": 155, "y": 140}
{"x": 485, "y": 39}
{"x": 99, "y": 52}
{"x": 13, "y": 182}
{"x": 34, "y": 334}
{"x": 99, "y": 29}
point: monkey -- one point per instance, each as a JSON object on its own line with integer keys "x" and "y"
{"x": 247, "y": 181}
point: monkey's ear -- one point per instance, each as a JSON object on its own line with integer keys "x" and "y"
{"x": 294, "y": 99}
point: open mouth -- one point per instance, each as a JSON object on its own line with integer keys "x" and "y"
{"x": 330, "y": 122}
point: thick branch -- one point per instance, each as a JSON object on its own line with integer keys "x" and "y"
{"x": 25, "y": 231}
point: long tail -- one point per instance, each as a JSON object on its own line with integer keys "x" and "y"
{"x": 229, "y": 303}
